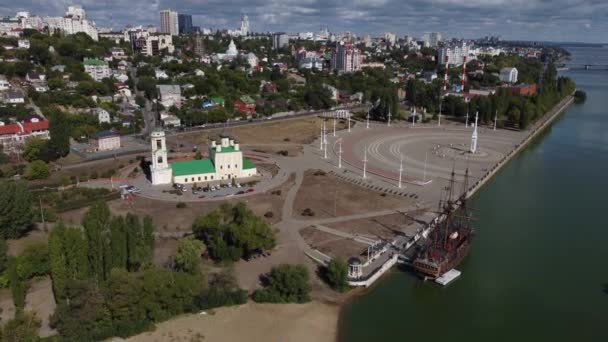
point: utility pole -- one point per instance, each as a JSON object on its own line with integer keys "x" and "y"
{"x": 466, "y": 123}
{"x": 400, "y": 171}
{"x": 414, "y": 118}
{"x": 321, "y": 140}
{"x": 495, "y": 119}
{"x": 339, "y": 153}
{"x": 425, "y": 159}
{"x": 334, "y": 126}
{"x": 348, "y": 118}
{"x": 364, "y": 162}
{"x": 367, "y": 125}
{"x": 389, "y": 118}
{"x": 41, "y": 212}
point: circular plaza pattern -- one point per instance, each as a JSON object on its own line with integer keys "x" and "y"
{"x": 427, "y": 151}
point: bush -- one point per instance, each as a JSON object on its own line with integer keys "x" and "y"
{"x": 37, "y": 170}
{"x": 216, "y": 297}
{"x": 180, "y": 205}
{"x": 580, "y": 96}
{"x": 308, "y": 212}
{"x": 336, "y": 274}
{"x": 320, "y": 173}
{"x": 285, "y": 284}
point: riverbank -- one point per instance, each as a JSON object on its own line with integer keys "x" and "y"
{"x": 313, "y": 321}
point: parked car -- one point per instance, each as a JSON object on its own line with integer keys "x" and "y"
{"x": 250, "y": 190}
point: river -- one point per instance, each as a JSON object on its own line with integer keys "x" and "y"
{"x": 538, "y": 267}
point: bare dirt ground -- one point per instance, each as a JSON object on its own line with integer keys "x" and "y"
{"x": 332, "y": 245}
{"x": 7, "y": 308}
{"x": 383, "y": 227}
{"x": 40, "y": 300}
{"x": 313, "y": 321}
{"x": 324, "y": 193}
{"x": 15, "y": 247}
{"x": 288, "y": 133}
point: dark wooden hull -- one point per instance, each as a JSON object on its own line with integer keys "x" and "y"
{"x": 434, "y": 269}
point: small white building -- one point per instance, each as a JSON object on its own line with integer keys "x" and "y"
{"x": 13, "y": 96}
{"x": 23, "y": 43}
{"x": 96, "y": 68}
{"x": 508, "y": 75}
{"x": 103, "y": 116}
{"x": 170, "y": 95}
{"x": 160, "y": 74}
{"x": 4, "y": 83}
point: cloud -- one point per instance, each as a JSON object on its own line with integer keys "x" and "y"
{"x": 582, "y": 20}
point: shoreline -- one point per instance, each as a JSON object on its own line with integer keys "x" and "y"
{"x": 537, "y": 128}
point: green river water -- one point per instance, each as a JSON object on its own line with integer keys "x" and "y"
{"x": 538, "y": 267}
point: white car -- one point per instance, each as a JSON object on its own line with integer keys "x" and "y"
{"x": 238, "y": 185}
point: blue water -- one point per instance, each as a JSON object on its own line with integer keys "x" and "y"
{"x": 538, "y": 268}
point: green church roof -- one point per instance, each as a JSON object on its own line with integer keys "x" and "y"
{"x": 248, "y": 164}
{"x": 192, "y": 167}
{"x": 94, "y": 61}
{"x": 227, "y": 149}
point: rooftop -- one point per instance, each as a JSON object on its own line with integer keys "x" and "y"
{"x": 248, "y": 164}
{"x": 192, "y": 167}
{"x": 105, "y": 134}
{"x": 94, "y": 61}
{"x": 247, "y": 99}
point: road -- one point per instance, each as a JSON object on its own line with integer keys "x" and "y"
{"x": 148, "y": 114}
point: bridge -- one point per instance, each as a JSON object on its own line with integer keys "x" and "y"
{"x": 583, "y": 66}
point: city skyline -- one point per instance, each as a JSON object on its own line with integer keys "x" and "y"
{"x": 560, "y": 20}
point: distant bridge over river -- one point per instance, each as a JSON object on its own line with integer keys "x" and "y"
{"x": 582, "y": 66}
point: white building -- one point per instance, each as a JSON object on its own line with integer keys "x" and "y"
{"x": 508, "y": 75}
{"x": 170, "y": 95}
{"x": 102, "y": 115}
{"x": 160, "y": 74}
{"x": 169, "y": 22}
{"x": 280, "y": 40}
{"x": 23, "y": 43}
{"x": 252, "y": 60}
{"x": 225, "y": 163}
{"x": 346, "y": 58}
{"x": 432, "y": 39}
{"x": 390, "y": 38}
{"x": 154, "y": 44}
{"x": 455, "y": 54}
{"x": 96, "y": 68}
{"x": 73, "y": 22}
{"x": 13, "y": 96}
{"x": 231, "y": 53}
{"x": 244, "y": 25}
{"x": 4, "y": 83}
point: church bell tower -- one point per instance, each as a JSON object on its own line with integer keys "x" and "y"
{"x": 160, "y": 170}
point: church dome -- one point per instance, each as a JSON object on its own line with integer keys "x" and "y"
{"x": 232, "y": 51}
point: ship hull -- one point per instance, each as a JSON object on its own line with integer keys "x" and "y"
{"x": 435, "y": 269}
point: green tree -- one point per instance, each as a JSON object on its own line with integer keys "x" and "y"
{"x": 23, "y": 328}
{"x": 3, "y": 255}
{"x": 34, "y": 261}
{"x": 188, "y": 255}
{"x": 34, "y": 149}
{"x": 118, "y": 243}
{"x": 285, "y": 284}
{"x": 233, "y": 231}
{"x": 37, "y": 170}
{"x": 337, "y": 274}
{"x": 59, "y": 144}
{"x": 18, "y": 286}
{"x": 15, "y": 209}
{"x": 123, "y": 302}
{"x": 59, "y": 272}
{"x": 96, "y": 223}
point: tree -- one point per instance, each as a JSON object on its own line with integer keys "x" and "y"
{"x": 3, "y": 255}
{"x": 337, "y": 274}
{"x": 140, "y": 241}
{"x": 285, "y": 284}
{"x": 34, "y": 261}
{"x": 34, "y": 149}
{"x": 23, "y": 328}
{"x": 233, "y": 231}
{"x": 37, "y": 170}
{"x": 59, "y": 144}
{"x": 118, "y": 243}
{"x": 188, "y": 255}
{"x": 59, "y": 272}
{"x": 96, "y": 223}
{"x": 15, "y": 209}
{"x": 18, "y": 286}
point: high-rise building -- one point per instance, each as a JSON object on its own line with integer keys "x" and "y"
{"x": 169, "y": 22}
{"x": 279, "y": 40}
{"x": 73, "y": 22}
{"x": 184, "y": 23}
{"x": 455, "y": 54}
{"x": 390, "y": 38}
{"x": 244, "y": 25}
{"x": 432, "y": 39}
{"x": 198, "y": 45}
{"x": 346, "y": 58}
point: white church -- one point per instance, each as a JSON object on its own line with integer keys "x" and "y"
{"x": 225, "y": 162}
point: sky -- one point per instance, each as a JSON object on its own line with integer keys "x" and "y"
{"x": 550, "y": 20}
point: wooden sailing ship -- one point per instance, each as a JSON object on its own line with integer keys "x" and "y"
{"x": 450, "y": 240}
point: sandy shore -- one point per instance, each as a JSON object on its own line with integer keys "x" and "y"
{"x": 313, "y": 321}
